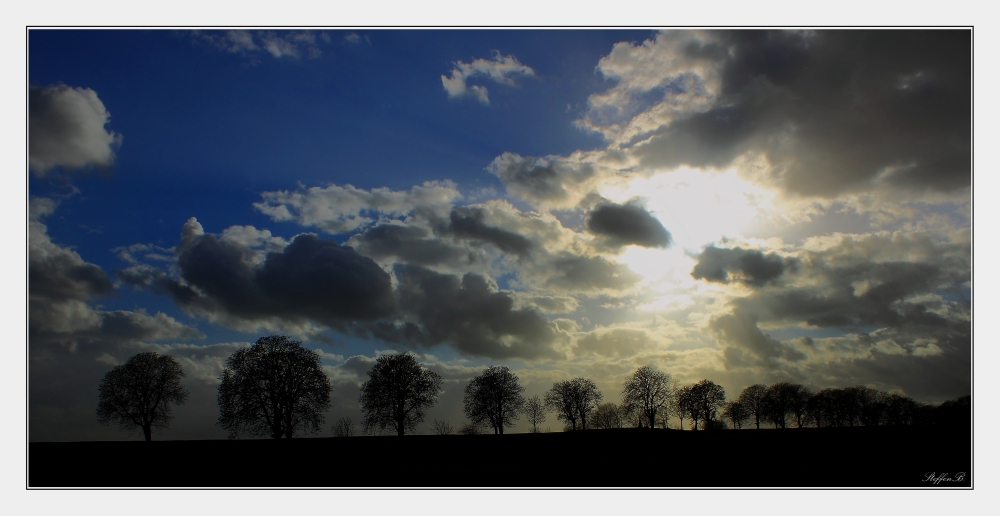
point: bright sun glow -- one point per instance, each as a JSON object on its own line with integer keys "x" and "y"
{"x": 697, "y": 208}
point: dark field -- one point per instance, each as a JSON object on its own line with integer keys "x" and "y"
{"x": 808, "y": 457}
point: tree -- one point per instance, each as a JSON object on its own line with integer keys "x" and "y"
{"x": 586, "y": 398}
{"x": 574, "y": 400}
{"x": 139, "y": 393}
{"x": 687, "y": 406}
{"x": 871, "y": 405}
{"x": 534, "y": 411}
{"x": 678, "y": 402}
{"x": 470, "y": 428}
{"x": 753, "y": 399}
{"x": 494, "y": 398}
{"x": 607, "y": 415}
{"x": 818, "y": 408}
{"x": 442, "y": 427}
{"x": 799, "y": 401}
{"x": 736, "y": 413}
{"x": 344, "y": 427}
{"x": 846, "y": 408}
{"x": 708, "y": 397}
{"x": 559, "y": 399}
{"x": 273, "y": 388}
{"x": 648, "y": 391}
{"x": 900, "y": 410}
{"x": 778, "y": 401}
{"x": 398, "y": 393}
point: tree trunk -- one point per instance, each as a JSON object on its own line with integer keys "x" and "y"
{"x": 147, "y": 431}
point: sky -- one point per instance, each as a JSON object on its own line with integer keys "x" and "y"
{"x": 743, "y": 206}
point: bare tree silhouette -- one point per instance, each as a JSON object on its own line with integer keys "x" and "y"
{"x": 275, "y": 388}
{"x": 678, "y": 402}
{"x": 607, "y": 415}
{"x": 736, "y": 413}
{"x": 574, "y": 400}
{"x": 442, "y": 427}
{"x": 753, "y": 399}
{"x": 344, "y": 427}
{"x": 900, "y": 410}
{"x": 139, "y": 393}
{"x": 560, "y": 400}
{"x": 708, "y": 397}
{"x": 647, "y": 390}
{"x": 470, "y": 428}
{"x": 534, "y": 411}
{"x": 778, "y": 400}
{"x": 798, "y": 402}
{"x": 398, "y": 393}
{"x": 871, "y": 405}
{"x": 494, "y": 398}
{"x": 687, "y": 406}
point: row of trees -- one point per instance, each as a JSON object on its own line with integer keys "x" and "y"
{"x": 277, "y": 388}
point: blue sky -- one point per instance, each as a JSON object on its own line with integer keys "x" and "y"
{"x": 743, "y": 206}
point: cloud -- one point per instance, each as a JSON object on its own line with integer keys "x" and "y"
{"x": 468, "y": 313}
{"x": 748, "y": 266}
{"x": 291, "y": 44}
{"x": 574, "y": 273}
{"x": 502, "y": 69}
{"x": 552, "y": 182}
{"x": 616, "y": 342}
{"x": 62, "y": 286}
{"x": 66, "y": 129}
{"x": 899, "y": 301}
{"x": 71, "y": 342}
{"x": 550, "y": 304}
{"x": 414, "y": 244}
{"x": 821, "y": 113}
{"x": 343, "y": 209}
{"x": 467, "y": 222}
{"x": 627, "y": 224}
{"x": 310, "y": 280}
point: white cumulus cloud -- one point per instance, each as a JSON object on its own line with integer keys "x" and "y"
{"x": 501, "y": 69}
{"x": 66, "y": 129}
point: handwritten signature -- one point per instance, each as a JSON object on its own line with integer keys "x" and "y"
{"x": 943, "y": 477}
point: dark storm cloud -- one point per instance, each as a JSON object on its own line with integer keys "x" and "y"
{"x": 468, "y": 313}
{"x": 858, "y": 295}
{"x": 748, "y": 266}
{"x": 901, "y": 300}
{"x": 59, "y": 273}
{"x": 412, "y": 244}
{"x": 61, "y": 286}
{"x": 467, "y": 222}
{"x": 741, "y": 332}
{"x": 589, "y": 273}
{"x": 834, "y": 111}
{"x": 72, "y": 343}
{"x": 66, "y": 129}
{"x": 310, "y": 279}
{"x": 625, "y": 224}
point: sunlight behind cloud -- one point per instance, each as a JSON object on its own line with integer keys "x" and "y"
{"x": 697, "y": 207}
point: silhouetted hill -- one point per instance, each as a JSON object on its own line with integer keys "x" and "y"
{"x": 808, "y": 457}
